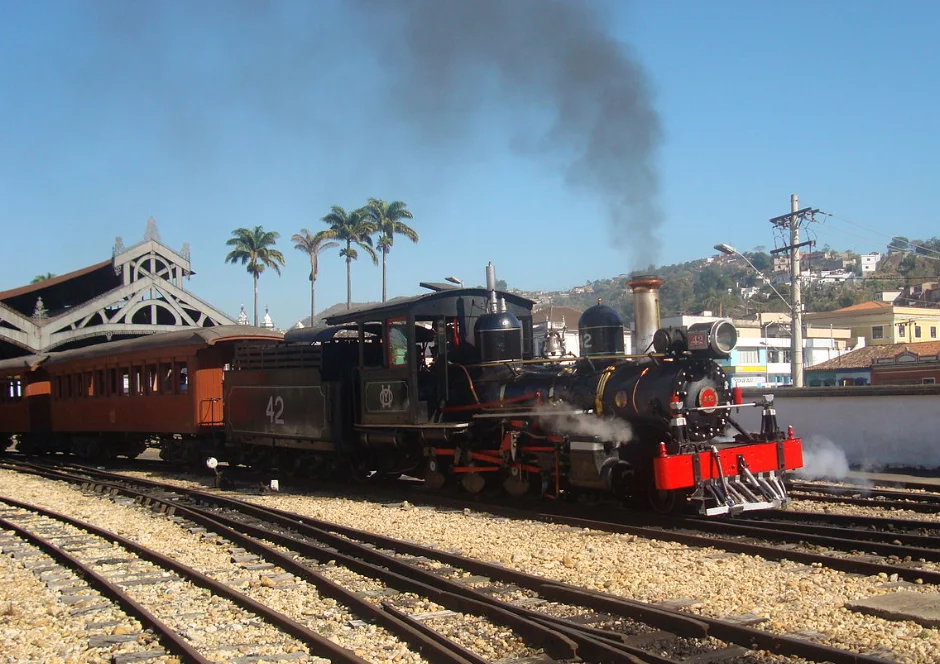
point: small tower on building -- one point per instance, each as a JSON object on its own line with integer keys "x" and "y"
{"x": 267, "y": 322}
{"x": 242, "y": 317}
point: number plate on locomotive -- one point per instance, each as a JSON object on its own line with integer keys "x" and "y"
{"x": 698, "y": 341}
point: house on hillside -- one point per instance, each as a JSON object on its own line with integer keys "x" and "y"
{"x": 870, "y": 262}
{"x": 891, "y": 364}
{"x": 881, "y": 323}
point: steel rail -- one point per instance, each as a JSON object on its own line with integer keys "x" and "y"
{"x": 559, "y": 638}
{"x": 813, "y": 535}
{"x": 165, "y": 634}
{"x": 932, "y": 490}
{"x": 884, "y": 522}
{"x": 920, "y": 506}
{"x": 321, "y": 646}
{"x": 927, "y": 543}
{"x": 432, "y": 649}
{"x": 672, "y": 621}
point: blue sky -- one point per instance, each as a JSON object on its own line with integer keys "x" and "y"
{"x": 210, "y": 116}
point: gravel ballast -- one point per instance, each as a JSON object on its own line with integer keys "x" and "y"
{"x": 791, "y": 597}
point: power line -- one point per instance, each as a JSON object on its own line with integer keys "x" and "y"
{"x": 919, "y": 248}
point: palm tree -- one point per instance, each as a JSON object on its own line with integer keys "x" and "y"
{"x": 387, "y": 218}
{"x": 353, "y": 228}
{"x": 312, "y": 245}
{"x": 42, "y": 277}
{"x": 254, "y": 248}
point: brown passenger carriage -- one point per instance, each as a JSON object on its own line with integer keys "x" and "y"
{"x": 24, "y": 399}
{"x": 117, "y": 398}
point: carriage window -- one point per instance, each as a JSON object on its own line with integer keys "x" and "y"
{"x": 112, "y": 382}
{"x": 125, "y": 381}
{"x": 12, "y": 390}
{"x": 182, "y": 377}
{"x": 397, "y": 342}
{"x": 98, "y": 390}
{"x": 151, "y": 378}
{"x": 166, "y": 378}
{"x": 87, "y": 385}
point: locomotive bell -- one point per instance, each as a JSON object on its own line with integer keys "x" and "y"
{"x": 498, "y": 336}
{"x": 600, "y": 331}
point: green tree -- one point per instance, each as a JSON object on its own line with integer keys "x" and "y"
{"x": 312, "y": 244}
{"x": 761, "y": 260}
{"x": 42, "y": 277}
{"x": 899, "y": 243}
{"x": 254, "y": 249}
{"x": 387, "y": 219}
{"x": 353, "y": 228}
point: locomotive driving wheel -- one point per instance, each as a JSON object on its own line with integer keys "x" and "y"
{"x": 473, "y": 482}
{"x": 667, "y": 501}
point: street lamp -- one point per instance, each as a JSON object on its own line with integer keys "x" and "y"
{"x": 796, "y": 317}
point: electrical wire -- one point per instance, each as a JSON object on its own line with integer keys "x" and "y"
{"x": 920, "y": 249}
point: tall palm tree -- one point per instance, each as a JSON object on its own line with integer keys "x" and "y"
{"x": 353, "y": 228}
{"x": 254, "y": 248}
{"x": 312, "y": 245}
{"x": 42, "y": 277}
{"x": 387, "y": 218}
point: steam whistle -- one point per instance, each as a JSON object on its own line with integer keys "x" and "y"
{"x": 768, "y": 419}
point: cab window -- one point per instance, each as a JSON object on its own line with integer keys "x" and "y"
{"x": 396, "y": 341}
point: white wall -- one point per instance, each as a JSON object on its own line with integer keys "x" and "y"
{"x": 881, "y": 430}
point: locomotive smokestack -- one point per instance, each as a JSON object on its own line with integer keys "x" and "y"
{"x": 645, "y": 309}
{"x": 491, "y": 287}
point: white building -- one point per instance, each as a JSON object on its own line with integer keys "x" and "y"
{"x": 870, "y": 262}
{"x": 762, "y": 356}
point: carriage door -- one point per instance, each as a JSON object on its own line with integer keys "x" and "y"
{"x": 388, "y": 391}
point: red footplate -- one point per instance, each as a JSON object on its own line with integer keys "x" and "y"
{"x": 678, "y": 472}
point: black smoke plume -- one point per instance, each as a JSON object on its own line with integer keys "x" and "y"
{"x": 571, "y": 94}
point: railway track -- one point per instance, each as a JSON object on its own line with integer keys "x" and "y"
{"x": 140, "y": 580}
{"x": 923, "y": 501}
{"x": 561, "y": 621}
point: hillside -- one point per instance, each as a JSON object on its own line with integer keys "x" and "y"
{"x": 727, "y": 286}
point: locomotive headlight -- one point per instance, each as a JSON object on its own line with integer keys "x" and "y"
{"x": 718, "y": 339}
{"x": 724, "y": 337}
{"x": 715, "y": 340}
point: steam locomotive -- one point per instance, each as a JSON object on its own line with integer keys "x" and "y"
{"x": 447, "y": 386}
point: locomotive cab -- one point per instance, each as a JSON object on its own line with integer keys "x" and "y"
{"x": 401, "y": 392}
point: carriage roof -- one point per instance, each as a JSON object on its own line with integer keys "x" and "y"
{"x": 190, "y": 337}
{"x": 449, "y": 302}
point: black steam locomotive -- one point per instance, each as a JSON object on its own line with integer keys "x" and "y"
{"x": 448, "y": 386}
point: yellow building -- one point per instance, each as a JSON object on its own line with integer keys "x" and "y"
{"x": 881, "y": 323}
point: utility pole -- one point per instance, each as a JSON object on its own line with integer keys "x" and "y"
{"x": 793, "y": 221}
